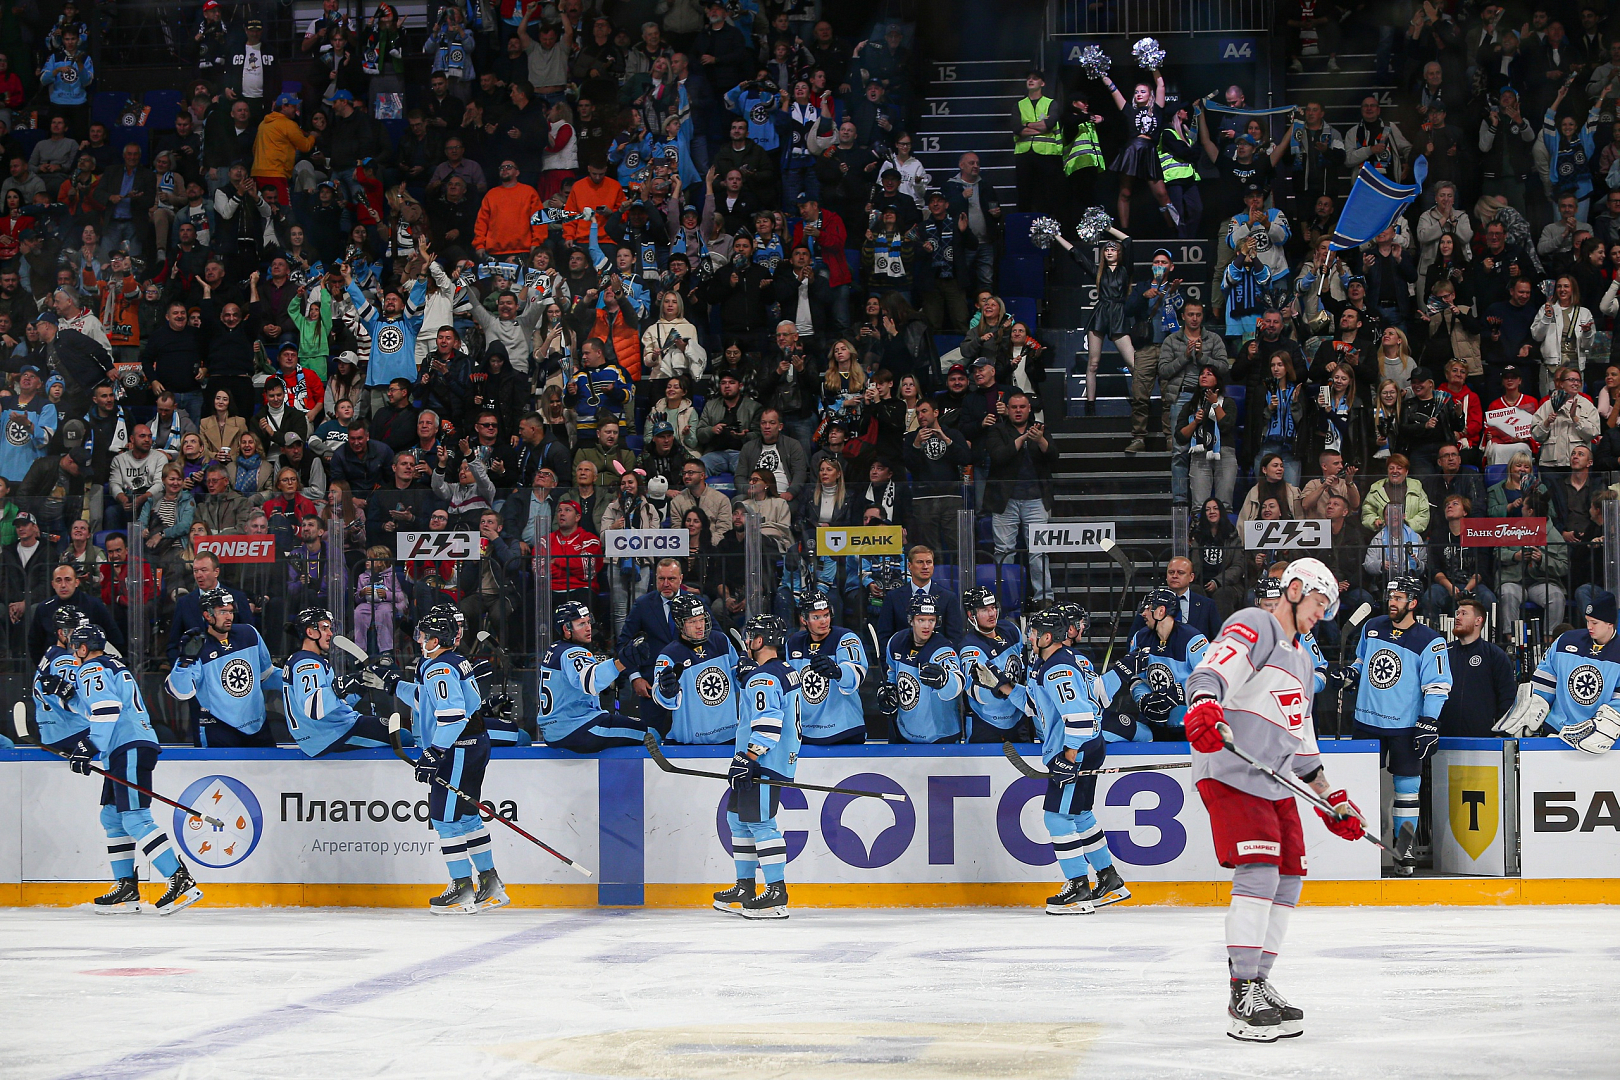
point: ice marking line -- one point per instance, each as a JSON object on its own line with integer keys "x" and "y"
{"x": 235, "y": 1033}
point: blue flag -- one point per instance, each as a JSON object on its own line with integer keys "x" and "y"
{"x": 1374, "y": 202}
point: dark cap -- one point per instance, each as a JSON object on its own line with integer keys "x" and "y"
{"x": 982, "y": 361}
{"x": 662, "y": 427}
{"x": 1422, "y": 374}
{"x": 25, "y": 518}
{"x": 1513, "y": 370}
{"x": 1601, "y": 607}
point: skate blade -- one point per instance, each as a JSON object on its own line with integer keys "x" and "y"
{"x": 184, "y": 900}
{"x": 765, "y": 913}
{"x": 729, "y": 909}
{"x": 1085, "y": 907}
{"x": 1246, "y": 1032}
{"x": 130, "y": 908}
{"x": 454, "y": 909}
{"x": 1114, "y": 897}
{"x": 1291, "y": 1029}
{"x": 493, "y": 902}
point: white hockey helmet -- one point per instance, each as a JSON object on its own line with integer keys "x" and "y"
{"x": 1317, "y": 578}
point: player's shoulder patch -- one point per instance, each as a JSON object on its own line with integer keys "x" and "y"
{"x": 306, "y": 665}
{"x": 1244, "y": 631}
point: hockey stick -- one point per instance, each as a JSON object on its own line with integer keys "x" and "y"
{"x": 393, "y": 741}
{"x": 670, "y": 767}
{"x": 351, "y": 648}
{"x": 1356, "y": 618}
{"x": 1125, "y": 564}
{"x": 1041, "y": 774}
{"x": 19, "y": 716}
{"x": 1293, "y": 785}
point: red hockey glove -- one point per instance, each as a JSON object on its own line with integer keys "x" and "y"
{"x": 1200, "y": 722}
{"x": 1348, "y": 823}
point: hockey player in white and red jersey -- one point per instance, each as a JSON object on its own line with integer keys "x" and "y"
{"x": 1257, "y": 678}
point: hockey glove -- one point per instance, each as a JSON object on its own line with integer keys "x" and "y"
{"x": 1425, "y": 735}
{"x": 481, "y": 669}
{"x": 1157, "y": 706}
{"x": 933, "y": 676}
{"x": 827, "y": 667}
{"x": 500, "y": 707}
{"x": 745, "y": 670}
{"x": 80, "y": 755}
{"x": 1063, "y": 770}
{"x": 427, "y": 766}
{"x": 1339, "y": 678}
{"x": 1129, "y": 666}
{"x": 352, "y": 683}
{"x": 191, "y": 645}
{"x": 1004, "y": 688}
{"x": 387, "y": 675}
{"x": 50, "y": 685}
{"x": 744, "y": 770}
{"x": 888, "y": 699}
{"x": 1346, "y": 821}
{"x": 1200, "y": 722}
{"x": 669, "y": 682}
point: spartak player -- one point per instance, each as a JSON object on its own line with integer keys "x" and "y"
{"x": 1257, "y": 678}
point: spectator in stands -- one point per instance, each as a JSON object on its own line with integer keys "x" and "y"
{"x": 934, "y": 455}
{"x": 1565, "y": 420}
{"x": 1400, "y": 488}
{"x": 1270, "y": 483}
{"x": 1459, "y": 571}
{"x": 1535, "y": 574}
{"x": 1019, "y": 493}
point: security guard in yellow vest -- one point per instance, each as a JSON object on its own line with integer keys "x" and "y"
{"x": 1178, "y": 150}
{"x": 1037, "y": 149}
{"x": 1082, "y": 154}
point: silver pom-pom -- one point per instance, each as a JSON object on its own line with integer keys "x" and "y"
{"x": 1043, "y": 231}
{"x": 1093, "y": 223}
{"x": 1094, "y": 62}
{"x": 1149, "y": 54}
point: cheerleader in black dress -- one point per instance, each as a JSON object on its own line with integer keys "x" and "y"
{"x": 1107, "y": 319}
{"x": 1140, "y": 158}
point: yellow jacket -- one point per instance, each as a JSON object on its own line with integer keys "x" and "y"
{"x": 277, "y": 145}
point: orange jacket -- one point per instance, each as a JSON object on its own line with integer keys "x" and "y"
{"x": 503, "y": 221}
{"x": 588, "y": 193}
{"x": 277, "y": 145}
{"x": 625, "y": 338}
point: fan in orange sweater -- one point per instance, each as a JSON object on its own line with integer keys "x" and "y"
{"x": 503, "y": 230}
{"x": 597, "y": 189}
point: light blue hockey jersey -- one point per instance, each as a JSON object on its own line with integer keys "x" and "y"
{"x": 316, "y": 716}
{"x": 826, "y": 708}
{"x": 228, "y": 680}
{"x": 572, "y": 679}
{"x": 1404, "y": 674}
{"x": 1164, "y": 664}
{"x": 1577, "y": 676}
{"x": 705, "y": 707}
{"x": 770, "y": 718}
{"x": 1003, "y": 653}
{"x": 926, "y": 715}
{"x": 1318, "y": 661}
{"x": 24, "y": 444}
{"x": 756, "y": 107}
{"x": 442, "y": 699}
{"x": 55, "y": 722}
{"x": 1068, "y": 703}
{"x": 105, "y": 694}
{"x": 393, "y": 341}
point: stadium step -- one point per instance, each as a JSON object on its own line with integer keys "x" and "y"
{"x": 966, "y": 107}
{"x": 1340, "y": 92}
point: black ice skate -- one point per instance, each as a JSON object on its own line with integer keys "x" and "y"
{"x": 1292, "y": 1020}
{"x": 1405, "y": 850}
{"x": 1110, "y": 887}
{"x": 1073, "y": 899}
{"x": 123, "y": 898}
{"x": 770, "y": 904}
{"x": 1253, "y": 1018}
{"x": 731, "y": 900}
{"x": 183, "y": 892}
{"x": 458, "y": 899}
{"x": 491, "y": 893}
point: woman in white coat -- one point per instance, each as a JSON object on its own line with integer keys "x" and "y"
{"x": 1563, "y": 330}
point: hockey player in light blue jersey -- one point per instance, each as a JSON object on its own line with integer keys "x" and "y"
{"x": 1068, "y": 703}
{"x": 1576, "y": 688}
{"x": 572, "y": 679}
{"x": 1162, "y": 654}
{"x": 992, "y": 658}
{"x": 59, "y": 726}
{"x": 1405, "y": 679}
{"x": 924, "y": 678}
{"x": 320, "y": 707}
{"x": 444, "y": 703}
{"x": 103, "y": 693}
{"x": 831, "y": 662}
{"x": 226, "y": 668}
{"x": 767, "y": 745}
{"x": 693, "y": 676}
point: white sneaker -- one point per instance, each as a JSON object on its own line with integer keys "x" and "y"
{"x": 1333, "y": 64}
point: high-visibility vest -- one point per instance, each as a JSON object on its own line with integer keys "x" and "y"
{"x": 1172, "y": 168}
{"x": 1029, "y": 112}
{"x": 1083, "y": 151}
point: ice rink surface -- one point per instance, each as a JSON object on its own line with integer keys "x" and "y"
{"x": 994, "y": 993}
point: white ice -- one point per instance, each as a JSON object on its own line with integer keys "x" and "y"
{"x": 1128, "y": 992}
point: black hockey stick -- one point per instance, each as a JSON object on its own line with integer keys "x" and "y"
{"x": 1041, "y": 774}
{"x": 1129, "y": 567}
{"x": 1293, "y": 785}
{"x": 1355, "y": 620}
{"x": 19, "y": 716}
{"x": 670, "y": 767}
{"x": 393, "y": 741}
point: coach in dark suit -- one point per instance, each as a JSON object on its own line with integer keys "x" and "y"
{"x": 897, "y": 602}
{"x": 650, "y": 620}
{"x": 188, "y": 609}
{"x": 1195, "y": 610}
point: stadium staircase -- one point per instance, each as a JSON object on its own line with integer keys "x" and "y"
{"x": 1339, "y": 92}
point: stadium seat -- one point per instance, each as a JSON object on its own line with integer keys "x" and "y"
{"x": 27, "y": 139}
{"x": 140, "y": 136}
{"x": 100, "y": 538}
{"x": 1023, "y": 276}
{"x": 1023, "y": 308}
{"x": 944, "y": 343}
{"x": 1017, "y": 238}
{"x": 1494, "y": 474}
{"x": 105, "y": 106}
{"x": 633, "y": 441}
{"x": 1010, "y": 587}
{"x": 165, "y": 105}
{"x": 725, "y": 483}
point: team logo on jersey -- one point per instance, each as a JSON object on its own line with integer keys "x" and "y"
{"x": 68, "y": 73}
{"x": 1160, "y": 678}
{"x": 1384, "y": 669}
{"x": 713, "y": 686}
{"x": 390, "y": 339}
{"x": 17, "y": 433}
{"x": 758, "y": 116}
{"x": 237, "y": 677}
{"x": 1475, "y": 661}
{"x": 632, "y": 160}
{"x": 1585, "y": 685}
{"x": 1015, "y": 668}
{"x": 232, "y": 802}
{"x": 814, "y": 686}
{"x": 1291, "y": 704}
{"x": 910, "y": 691}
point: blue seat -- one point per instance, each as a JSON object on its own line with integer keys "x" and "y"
{"x": 1017, "y": 238}
{"x": 105, "y": 105}
{"x": 1494, "y": 474}
{"x": 1023, "y": 308}
{"x": 724, "y": 483}
{"x": 123, "y": 136}
{"x": 633, "y": 441}
{"x": 27, "y": 139}
{"x": 1023, "y": 276}
{"x": 985, "y": 535}
{"x": 165, "y": 106}
{"x": 944, "y": 343}
{"x": 100, "y": 538}
{"x": 1010, "y": 588}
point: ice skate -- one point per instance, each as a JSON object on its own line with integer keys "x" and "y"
{"x": 1073, "y": 899}
{"x": 1292, "y": 1020}
{"x": 770, "y": 904}
{"x": 458, "y": 899}
{"x": 491, "y": 893}
{"x": 731, "y": 900}
{"x": 123, "y": 898}
{"x": 1405, "y": 850}
{"x": 1253, "y": 1018}
{"x": 1110, "y": 888}
{"x": 183, "y": 892}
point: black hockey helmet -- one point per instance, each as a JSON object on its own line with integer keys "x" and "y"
{"x": 68, "y": 618}
{"x": 568, "y": 613}
{"x": 924, "y": 604}
{"x": 89, "y": 635}
{"x": 439, "y": 625}
{"x": 309, "y": 619}
{"x": 980, "y": 596}
{"x": 1409, "y": 585}
{"x": 1054, "y": 620}
{"x": 1164, "y": 598}
{"x": 1079, "y": 618}
{"x": 217, "y": 597}
{"x": 769, "y": 628}
{"x": 457, "y": 620}
{"x": 684, "y": 606}
{"x": 811, "y": 602}
{"x": 1269, "y": 587}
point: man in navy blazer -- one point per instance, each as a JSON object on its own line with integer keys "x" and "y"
{"x": 649, "y": 619}
{"x": 188, "y": 609}
{"x": 897, "y": 602}
{"x": 1197, "y": 611}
